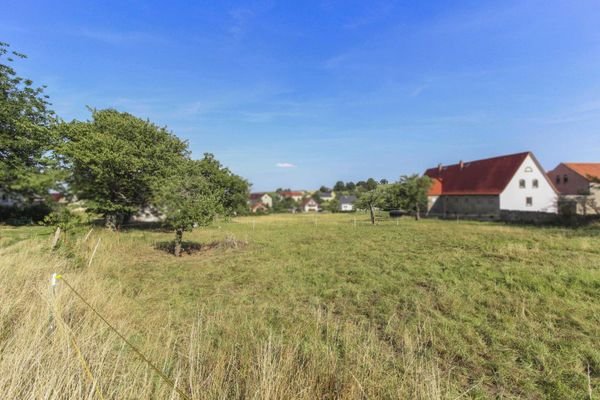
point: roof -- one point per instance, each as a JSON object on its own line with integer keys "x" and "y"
{"x": 482, "y": 177}
{"x": 308, "y": 200}
{"x": 325, "y": 194}
{"x": 347, "y": 199}
{"x": 290, "y": 194}
{"x": 258, "y": 205}
{"x": 587, "y": 170}
{"x": 256, "y": 196}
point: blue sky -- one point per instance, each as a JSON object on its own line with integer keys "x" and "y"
{"x": 338, "y": 89}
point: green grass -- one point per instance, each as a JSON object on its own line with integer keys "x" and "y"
{"x": 319, "y": 307}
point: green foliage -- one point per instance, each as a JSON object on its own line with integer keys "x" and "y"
{"x": 24, "y": 214}
{"x": 189, "y": 199}
{"x": 339, "y": 186}
{"x": 333, "y": 205}
{"x": 232, "y": 190}
{"x": 63, "y": 218}
{"x": 371, "y": 200}
{"x": 370, "y": 184}
{"x": 283, "y": 205}
{"x": 27, "y": 165}
{"x": 317, "y": 197}
{"x": 116, "y": 160}
{"x": 409, "y": 193}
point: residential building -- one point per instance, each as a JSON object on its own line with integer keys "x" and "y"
{"x": 484, "y": 188}
{"x": 264, "y": 198}
{"x": 577, "y": 184}
{"x": 326, "y": 196}
{"x": 259, "y": 207}
{"x": 309, "y": 205}
{"x": 347, "y": 203}
{"x": 296, "y": 195}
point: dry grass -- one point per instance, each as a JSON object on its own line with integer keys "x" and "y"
{"x": 287, "y": 307}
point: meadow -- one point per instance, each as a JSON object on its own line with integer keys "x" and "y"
{"x": 305, "y": 307}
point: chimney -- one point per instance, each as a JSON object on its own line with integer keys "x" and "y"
{"x": 461, "y": 164}
{"x": 440, "y": 167}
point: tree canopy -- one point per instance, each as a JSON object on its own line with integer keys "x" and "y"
{"x": 26, "y": 136}
{"x": 232, "y": 190}
{"x": 371, "y": 200}
{"x": 409, "y": 193}
{"x": 116, "y": 160}
{"x": 188, "y": 198}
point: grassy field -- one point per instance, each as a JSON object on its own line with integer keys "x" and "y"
{"x": 306, "y": 307}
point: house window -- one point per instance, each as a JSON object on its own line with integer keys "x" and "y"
{"x": 565, "y": 178}
{"x": 529, "y": 201}
{"x": 522, "y": 183}
{"x": 528, "y": 169}
{"x": 558, "y": 179}
{"x": 536, "y": 184}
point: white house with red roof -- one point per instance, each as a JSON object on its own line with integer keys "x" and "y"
{"x": 309, "y": 205}
{"x": 483, "y": 188}
{"x": 578, "y": 186}
{"x": 264, "y": 198}
{"x": 297, "y": 195}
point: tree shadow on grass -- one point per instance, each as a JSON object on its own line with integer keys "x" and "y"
{"x": 145, "y": 226}
{"x": 191, "y": 248}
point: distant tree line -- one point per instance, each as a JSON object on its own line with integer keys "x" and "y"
{"x": 115, "y": 162}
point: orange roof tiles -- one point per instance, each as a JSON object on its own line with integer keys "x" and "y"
{"x": 481, "y": 177}
{"x": 587, "y": 170}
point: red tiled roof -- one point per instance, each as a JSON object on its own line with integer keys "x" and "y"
{"x": 258, "y": 205}
{"x": 586, "y": 170}
{"x": 290, "y": 194}
{"x": 481, "y": 177}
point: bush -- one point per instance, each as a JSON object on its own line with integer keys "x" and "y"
{"x": 24, "y": 215}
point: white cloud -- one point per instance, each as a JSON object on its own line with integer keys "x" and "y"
{"x": 285, "y": 165}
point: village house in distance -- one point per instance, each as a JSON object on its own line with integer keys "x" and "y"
{"x": 487, "y": 188}
{"x": 577, "y": 184}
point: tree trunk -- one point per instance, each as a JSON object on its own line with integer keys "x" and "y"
{"x": 418, "y": 213}
{"x": 110, "y": 222}
{"x": 113, "y": 221}
{"x": 372, "y": 215}
{"x": 178, "y": 241}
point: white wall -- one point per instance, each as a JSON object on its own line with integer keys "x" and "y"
{"x": 544, "y": 197}
{"x": 267, "y": 200}
{"x": 347, "y": 207}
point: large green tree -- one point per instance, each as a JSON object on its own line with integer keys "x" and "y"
{"x": 26, "y": 134}
{"x": 116, "y": 160}
{"x": 409, "y": 193}
{"x": 189, "y": 199}
{"x": 339, "y": 186}
{"x": 232, "y": 189}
